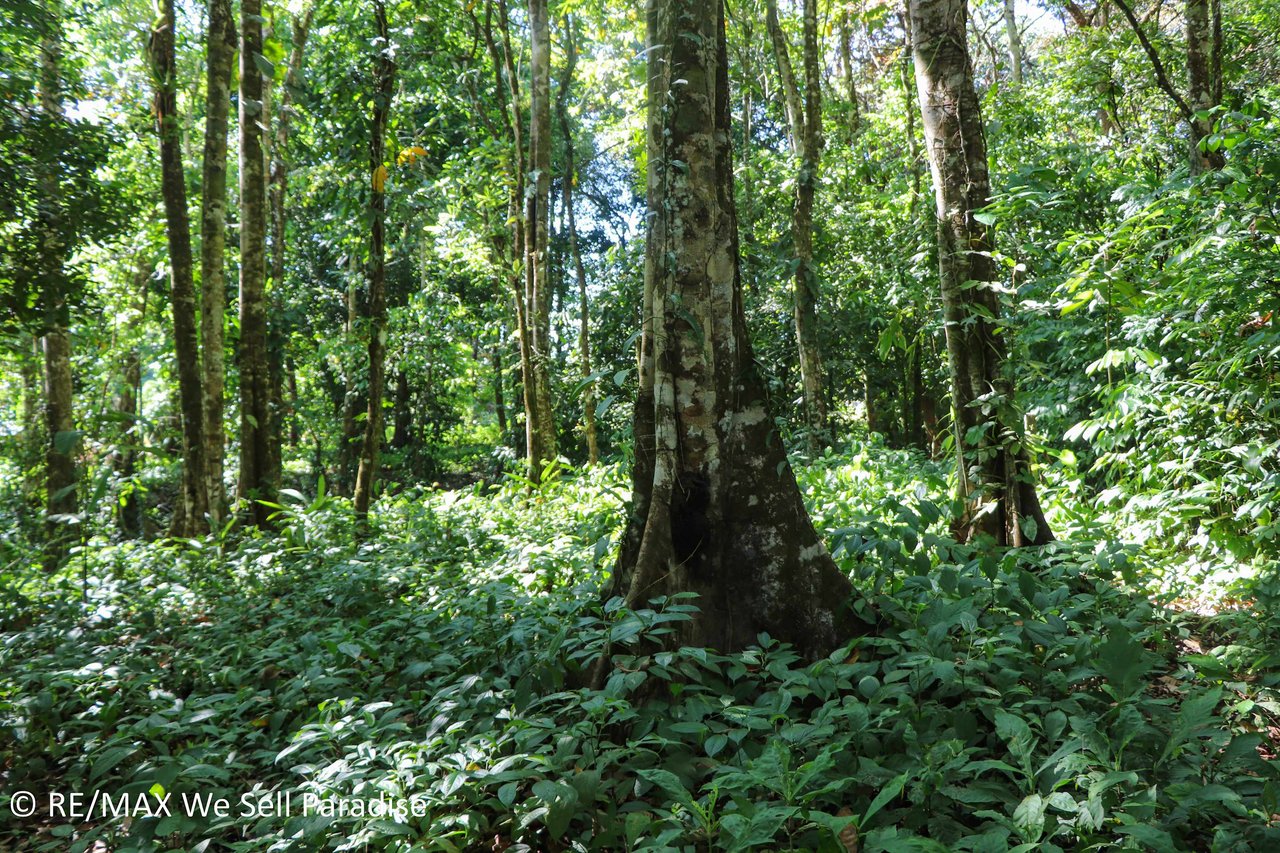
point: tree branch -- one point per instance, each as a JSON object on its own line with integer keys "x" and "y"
{"x": 1161, "y": 78}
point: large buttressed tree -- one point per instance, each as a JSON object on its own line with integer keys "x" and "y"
{"x": 716, "y": 509}
{"x": 994, "y": 470}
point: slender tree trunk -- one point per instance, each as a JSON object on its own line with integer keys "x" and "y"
{"x": 1201, "y": 81}
{"x": 805, "y": 119}
{"x": 129, "y": 517}
{"x": 715, "y": 507}
{"x": 278, "y": 183}
{"x": 402, "y": 429}
{"x": 33, "y": 440}
{"x": 746, "y": 49}
{"x": 499, "y": 398}
{"x": 220, "y": 53}
{"x": 192, "y": 520}
{"x": 129, "y": 408}
{"x": 846, "y": 68}
{"x": 1198, "y": 34}
{"x": 291, "y": 380}
{"x": 510, "y": 254}
{"x": 351, "y": 401}
{"x": 60, "y": 466}
{"x": 994, "y": 471}
{"x": 570, "y": 178}
{"x": 542, "y": 435}
{"x": 255, "y": 380}
{"x": 384, "y": 81}
{"x": 1015, "y": 42}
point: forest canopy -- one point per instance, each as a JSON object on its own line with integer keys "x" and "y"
{"x": 840, "y": 425}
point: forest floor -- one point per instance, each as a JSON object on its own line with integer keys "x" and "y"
{"x": 1028, "y": 700}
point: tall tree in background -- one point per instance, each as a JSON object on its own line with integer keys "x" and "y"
{"x": 220, "y": 48}
{"x": 256, "y": 482}
{"x": 1015, "y": 41}
{"x": 60, "y": 465}
{"x": 715, "y": 508}
{"x": 277, "y": 188}
{"x": 994, "y": 471}
{"x": 846, "y": 70}
{"x": 508, "y": 244}
{"x": 569, "y": 180}
{"x": 384, "y": 81}
{"x": 541, "y": 425}
{"x": 805, "y": 121}
{"x": 190, "y": 519}
{"x": 1204, "y": 75}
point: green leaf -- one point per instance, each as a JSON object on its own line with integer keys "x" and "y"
{"x": 1123, "y": 661}
{"x": 560, "y": 801}
{"x": 887, "y": 793}
{"x": 66, "y": 440}
{"x": 1028, "y": 817}
{"x": 265, "y": 66}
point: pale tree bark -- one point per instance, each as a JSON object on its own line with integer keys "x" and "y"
{"x": 1202, "y": 80}
{"x": 584, "y": 317}
{"x": 219, "y": 53}
{"x": 715, "y": 508}
{"x": 192, "y": 519}
{"x": 60, "y": 430}
{"x": 805, "y": 120}
{"x": 384, "y": 81}
{"x": 542, "y": 434}
{"x": 277, "y": 187}
{"x": 256, "y": 484}
{"x": 1015, "y": 42}
{"x": 994, "y": 470}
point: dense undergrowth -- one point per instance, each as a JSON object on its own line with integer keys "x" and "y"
{"x": 1008, "y": 702}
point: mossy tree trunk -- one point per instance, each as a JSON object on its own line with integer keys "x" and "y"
{"x": 59, "y": 418}
{"x": 256, "y": 483}
{"x": 277, "y": 186}
{"x": 804, "y": 117}
{"x": 1202, "y": 80}
{"x": 384, "y": 81}
{"x": 715, "y": 509}
{"x": 994, "y": 470}
{"x": 219, "y": 55}
{"x": 192, "y": 519}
